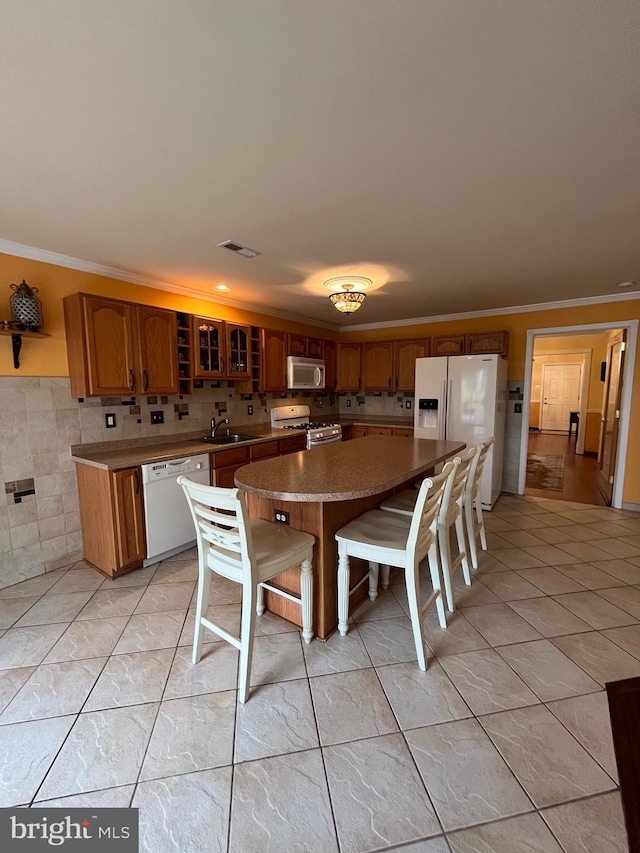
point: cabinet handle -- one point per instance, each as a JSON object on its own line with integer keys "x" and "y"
{"x": 137, "y": 479}
{"x": 132, "y": 380}
{"x": 145, "y": 380}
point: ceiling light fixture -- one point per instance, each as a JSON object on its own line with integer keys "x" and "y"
{"x": 346, "y": 299}
{"x": 222, "y": 288}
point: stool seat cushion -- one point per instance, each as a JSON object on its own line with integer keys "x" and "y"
{"x": 403, "y": 502}
{"x": 382, "y": 532}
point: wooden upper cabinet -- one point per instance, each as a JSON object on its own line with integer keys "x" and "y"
{"x": 348, "y": 358}
{"x": 405, "y": 354}
{"x": 481, "y": 343}
{"x": 158, "y": 357}
{"x": 119, "y": 348}
{"x": 448, "y": 345}
{"x": 274, "y": 360}
{"x": 377, "y": 366}
{"x": 210, "y": 348}
{"x": 238, "y": 351}
{"x": 329, "y": 365}
{"x": 301, "y": 345}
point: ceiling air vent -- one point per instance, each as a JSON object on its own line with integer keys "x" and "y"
{"x": 238, "y": 249}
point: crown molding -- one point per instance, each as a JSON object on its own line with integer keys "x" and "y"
{"x": 32, "y": 253}
{"x": 495, "y": 312}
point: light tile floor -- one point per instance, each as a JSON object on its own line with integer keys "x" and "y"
{"x": 503, "y": 745}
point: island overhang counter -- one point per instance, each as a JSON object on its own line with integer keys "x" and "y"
{"x": 322, "y": 489}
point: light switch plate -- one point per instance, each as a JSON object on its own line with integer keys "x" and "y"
{"x": 109, "y": 421}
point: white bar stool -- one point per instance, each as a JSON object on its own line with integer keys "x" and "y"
{"x": 394, "y": 540}
{"x": 249, "y": 552}
{"x": 472, "y": 503}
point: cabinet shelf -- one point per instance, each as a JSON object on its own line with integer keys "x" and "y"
{"x": 16, "y": 341}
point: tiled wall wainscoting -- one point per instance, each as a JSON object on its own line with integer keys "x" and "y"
{"x": 40, "y": 420}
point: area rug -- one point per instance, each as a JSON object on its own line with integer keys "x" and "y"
{"x": 545, "y": 472}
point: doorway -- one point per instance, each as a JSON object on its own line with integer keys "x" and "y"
{"x": 594, "y": 460}
{"x": 561, "y": 385}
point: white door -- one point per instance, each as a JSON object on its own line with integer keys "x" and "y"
{"x": 560, "y": 394}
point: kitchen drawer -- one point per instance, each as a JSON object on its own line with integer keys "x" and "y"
{"x": 404, "y": 432}
{"x": 233, "y": 456}
{"x": 262, "y": 451}
{"x": 292, "y": 445}
{"x": 377, "y": 430}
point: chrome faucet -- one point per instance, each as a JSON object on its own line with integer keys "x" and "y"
{"x": 216, "y": 426}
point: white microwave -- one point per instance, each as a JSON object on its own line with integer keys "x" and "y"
{"x": 305, "y": 373}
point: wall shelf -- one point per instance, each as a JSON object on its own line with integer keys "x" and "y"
{"x": 16, "y": 341}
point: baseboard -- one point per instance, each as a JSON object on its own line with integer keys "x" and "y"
{"x": 632, "y": 507}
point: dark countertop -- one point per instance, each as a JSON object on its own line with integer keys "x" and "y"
{"x": 345, "y": 471}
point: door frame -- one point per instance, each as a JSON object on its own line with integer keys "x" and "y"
{"x": 631, "y": 327}
{"x": 584, "y": 391}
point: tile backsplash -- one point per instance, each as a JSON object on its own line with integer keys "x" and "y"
{"x": 40, "y": 420}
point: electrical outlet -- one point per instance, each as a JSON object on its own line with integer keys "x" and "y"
{"x": 517, "y": 408}
{"x": 348, "y": 402}
{"x": 249, "y": 410}
{"x": 319, "y": 404}
{"x": 157, "y": 417}
{"x": 281, "y": 516}
{"x": 407, "y": 404}
{"x": 109, "y": 421}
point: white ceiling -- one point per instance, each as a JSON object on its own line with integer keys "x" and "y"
{"x": 467, "y": 155}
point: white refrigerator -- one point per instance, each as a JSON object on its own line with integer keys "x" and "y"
{"x": 464, "y": 398}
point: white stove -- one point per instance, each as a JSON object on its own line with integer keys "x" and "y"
{"x": 297, "y": 417}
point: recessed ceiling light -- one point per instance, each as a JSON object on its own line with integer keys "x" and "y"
{"x": 221, "y": 287}
{"x": 628, "y": 284}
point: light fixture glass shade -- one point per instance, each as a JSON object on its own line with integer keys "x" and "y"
{"x": 348, "y": 301}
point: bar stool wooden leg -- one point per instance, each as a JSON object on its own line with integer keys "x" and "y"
{"x": 306, "y": 594}
{"x": 343, "y": 589}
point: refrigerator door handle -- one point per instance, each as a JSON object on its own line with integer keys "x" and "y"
{"x": 443, "y": 417}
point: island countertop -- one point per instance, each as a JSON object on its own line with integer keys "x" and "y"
{"x": 344, "y": 471}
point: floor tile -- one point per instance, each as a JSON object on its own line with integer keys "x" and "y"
{"x": 87, "y": 639}
{"x": 597, "y": 655}
{"x": 595, "y": 610}
{"x": 520, "y": 538}
{"x": 550, "y": 555}
{"x": 627, "y": 598}
{"x": 594, "y": 824}
{"x": 546, "y": 759}
{"x": 269, "y": 797}
{"x": 176, "y": 571}
{"x": 587, "y": 718}
{"x": 11, "y": 680}
{"x": 33, "y": 587}
{"x": 388, "y": 641}
{"x": 486, "y": 683}
{"x": 27, "y": 750}
{"x": 474, "y": 595}
{"x": 107, "y": 798}
{"x": 227, "y": 616}
{"x": 277, "y": 657}
{"x": 623, "y": 570}
{"x": 28, "y": 646}
{"x": 548, "y": 617}
{"x": 54, "y": 690}
{"x": 11, "y": 609}
{"x": 139, "y": 577}
{"x": 550, "y": 581}
{"x": 55, "y": 608}
{"x": 458, "y": 636}
{"x": 555, "y": 535}
{"x": 515, "y": 558}
{"x": 499, "y": 624}
{"x": 279, "y": 718}
{"x": 421, "y": 698}
{"x": 107, "y": 603}
{"x": 589, "y": 577}
{"x": 351, "y": 705}
{"x": 627, "y": 638}
{"x": 78, "y": 580}
{"x": 165, "y": 596}
{"x": 104, "y": 750}
{"x": 619, "y": 548}
{"x": 509, "y": 586}
{"x": 216, "y": 671}
{"x": 394, "y": 810}
{"x": 583, "y": 551}
{"x": 524, "y": 834}
{"x": 467, "y": 780}
{"x": 145, "y": 631}
{"x": 338, "y": 654}
{"x": 131, "y": 679}
{"x": 429, "y": 845}
{"x": 190, "y": 734}
{"x": 205, "y": 797}
{"x": 385, "y": 606}
{"x": 547, "y": 671}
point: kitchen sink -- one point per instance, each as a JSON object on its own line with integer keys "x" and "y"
{"x": 231, "y": 438}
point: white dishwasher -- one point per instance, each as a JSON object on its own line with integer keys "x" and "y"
{"x": 168, "y": 520}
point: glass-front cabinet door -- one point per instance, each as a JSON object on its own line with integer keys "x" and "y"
{"x": 209, "y": 342}
{"x": 238, "y": 351}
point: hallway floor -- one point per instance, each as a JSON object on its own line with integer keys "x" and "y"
{"x": 502, "y": 746}
{"x": 580, "y": 472}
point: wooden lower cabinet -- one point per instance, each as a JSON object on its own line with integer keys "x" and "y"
{"x": 403, "y": 432}
{"x": 359, "y": 431}
{"x": 111, "y": 518}
{"x": 378, "y": 430}
{"x": 225, "y": 463}
{"x": 293, "y": 444}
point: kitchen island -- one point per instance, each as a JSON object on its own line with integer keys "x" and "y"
{"x": 319, "y": 491}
